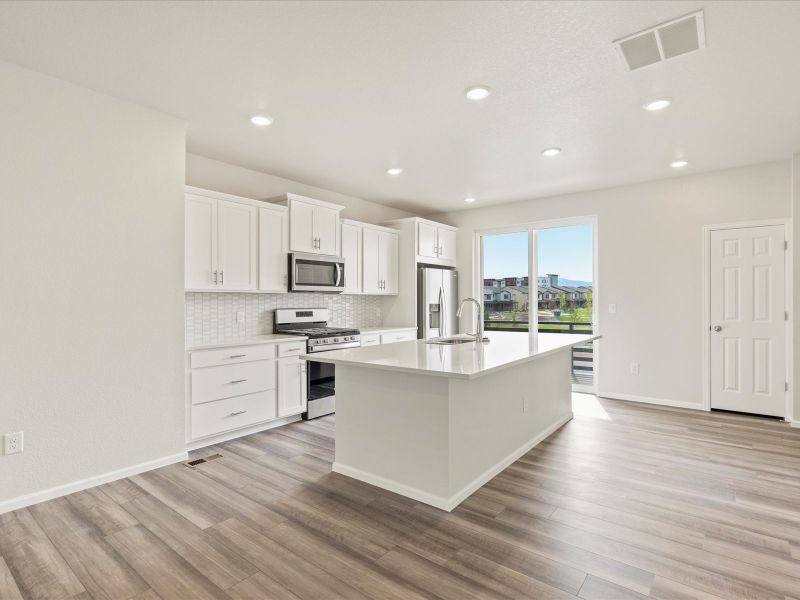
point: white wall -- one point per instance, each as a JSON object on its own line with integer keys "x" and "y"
{"x": 794, "y": 310}
{"x": 650, "y": 262}
{"x": 91, "y": 264}
{"x": 219, "y": 176}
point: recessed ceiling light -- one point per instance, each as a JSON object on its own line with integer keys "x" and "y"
{"x": 469, "y": 199}
{"x": 394, "y": 171}
{"x": 261, "y": 120}
{"x": 551, "y": 151}
{"x": 678, "y": 164}
{"x": 477, "y": 92}
{"x": 656, "y": 105}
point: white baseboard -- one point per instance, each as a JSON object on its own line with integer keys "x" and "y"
{"x": 440, "y": 502}
{"x": 230, "y": 435}
{"x": 649, "y": 400}
{"x": 82, "y": 484}
{"x": 795, "y": 424}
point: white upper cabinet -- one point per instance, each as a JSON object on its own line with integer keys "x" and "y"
{"x": 221, "y": 243}
{"x": 351, "y": 252}
{"x": 237, "y": 246}
{"x": 379, "y": 260}
{"x": 313, "y": 225}
{"x": 437, "y": 242}
{"x": 426, "y": 240}
{"x": 273, "y": 246}
{"x": 201, "y": 242}
{"x": 446, "y": 237}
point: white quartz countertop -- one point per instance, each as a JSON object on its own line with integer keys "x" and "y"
{"x": 462, "y": 361}
{"x": 267, "y": 338}
{"x": 369, "y": 330}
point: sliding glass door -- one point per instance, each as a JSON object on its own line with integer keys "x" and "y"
{"x": 541, "y": 277}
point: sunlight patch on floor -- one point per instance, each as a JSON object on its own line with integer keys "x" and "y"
{"x": 588, "y": 406}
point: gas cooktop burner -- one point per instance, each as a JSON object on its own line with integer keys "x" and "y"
{"x": 317, "y": 332}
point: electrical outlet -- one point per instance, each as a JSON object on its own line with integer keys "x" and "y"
{"x": 634, "y": 368}
{"x": 240, "y": 316}
{"x": 524, "y": 404}
{"x": 12, "y": 443}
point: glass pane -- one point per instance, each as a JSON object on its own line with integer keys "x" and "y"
{"x": 505, "y": 281}
{"x": 564, "y": 289}
{"x": 315, "y": 273}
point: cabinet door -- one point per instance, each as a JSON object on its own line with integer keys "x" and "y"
{"x": 301, "y": 224}
{"x": 351, "y": 252}
{"x": 326, "y": 230}
{"x": 388, "y": 260}
{"x": 237, "y": 245}
{"x": 426, "y": 240}
{"x": 447, "y": 243}
{"x": 273, "y": 261}
{"x": 201, "y": 242}
{"x": 291, "y": 386}
{"x": 371, "y": 261}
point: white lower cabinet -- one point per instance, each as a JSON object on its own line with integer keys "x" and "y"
{"x": 242, "y": 386}
{"x": 291, "y": 386}
{"x": 372, "y": 339}
{"x": 232, "y": 413}
{"x": 398, "y": 336}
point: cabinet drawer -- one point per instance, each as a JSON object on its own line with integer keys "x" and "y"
{"x": 229, "y": 356}
{"x": 398, "y": 336}
{"x": 292, "y": 348}
{"x": 232, "y": 413}
{"x": 372, "y": 339}
{"x": 214, "y": 383}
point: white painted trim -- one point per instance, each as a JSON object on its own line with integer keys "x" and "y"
{"x": 440, "y": 502}
{"x": 196, "y": 191}
{"x": 651, "y": 400}
{"x": 82, "y": 484}
{"x": 789, "y": 294}
{"x": 230, "y": 435}
{"x": 795, "y": 424}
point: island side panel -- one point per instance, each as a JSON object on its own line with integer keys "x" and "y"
{"x": 392, "y": 431}
{"x": 490, "y": 427}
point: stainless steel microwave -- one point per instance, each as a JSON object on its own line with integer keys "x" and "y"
{"x": 316, "y": 273}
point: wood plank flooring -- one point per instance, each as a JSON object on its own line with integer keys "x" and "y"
{"x": 625, "y": 501}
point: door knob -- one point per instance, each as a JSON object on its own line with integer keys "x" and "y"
{"x": 717, "y": 327}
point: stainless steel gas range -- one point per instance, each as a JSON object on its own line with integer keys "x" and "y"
{"x": 321, "y": 377}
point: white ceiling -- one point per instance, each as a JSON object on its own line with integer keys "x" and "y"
{"x": 357, "y": 87}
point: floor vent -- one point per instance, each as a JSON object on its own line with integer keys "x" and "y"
{"x": 200, "y": 461}
{"x": 662, "y": 42}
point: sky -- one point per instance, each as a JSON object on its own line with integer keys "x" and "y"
{"x": 563, "y": 250}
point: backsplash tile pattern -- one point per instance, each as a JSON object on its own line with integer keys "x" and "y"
{"x": 211, "y": 316}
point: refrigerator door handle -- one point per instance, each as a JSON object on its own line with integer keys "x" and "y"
{"x": 442, "y": 313}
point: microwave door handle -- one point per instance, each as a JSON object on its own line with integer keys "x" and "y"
{"x": 338, "y": 274}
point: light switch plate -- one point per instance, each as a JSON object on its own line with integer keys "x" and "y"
{"x": 240, "y": 316}
{"x": 612, "y": 309}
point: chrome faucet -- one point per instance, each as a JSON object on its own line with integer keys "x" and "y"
{"x": 479, "y": 312}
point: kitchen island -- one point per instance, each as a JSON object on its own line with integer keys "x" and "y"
{"x": 435, "y": 422}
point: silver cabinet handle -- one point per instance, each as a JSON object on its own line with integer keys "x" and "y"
{"x": 237, "y": 355}
{"x": 215, "y": 277}
{"x": 238, "y": 381}
{"x": 717, "y": 327}
{"x": 222, "y": 277}
{"x": 238, "y": 412}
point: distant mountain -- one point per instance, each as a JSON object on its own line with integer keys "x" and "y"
{"x": 573, "y": 282}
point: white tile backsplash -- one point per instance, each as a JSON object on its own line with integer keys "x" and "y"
{"x": 211, "y": 316}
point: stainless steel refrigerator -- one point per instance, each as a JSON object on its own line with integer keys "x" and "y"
{"x": 437, "y": 302}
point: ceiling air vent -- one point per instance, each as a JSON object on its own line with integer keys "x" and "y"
{"x": 662, "y": 42}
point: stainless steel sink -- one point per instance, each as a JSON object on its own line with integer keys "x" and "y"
{"x": 449, "y": 341}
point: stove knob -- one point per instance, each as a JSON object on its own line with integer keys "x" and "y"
{"x": 335, "y": 339}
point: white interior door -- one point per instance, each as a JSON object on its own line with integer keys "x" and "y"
{"x": 747, "y": 304}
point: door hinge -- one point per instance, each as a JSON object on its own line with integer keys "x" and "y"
{"x": 786, "y": 315}
{"x": 786, "y": 386}
{"x": 785, "y": 244}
